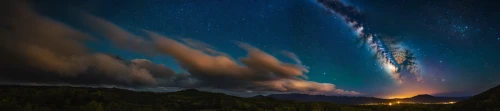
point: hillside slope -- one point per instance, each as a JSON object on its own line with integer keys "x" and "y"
{"x": 485, "y": 101}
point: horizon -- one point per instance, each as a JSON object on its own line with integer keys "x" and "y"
{"x": 202, "y": 90}
{"x": 363, "y": 48}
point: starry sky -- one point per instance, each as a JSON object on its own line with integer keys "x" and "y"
{"x": 356, "y": 46}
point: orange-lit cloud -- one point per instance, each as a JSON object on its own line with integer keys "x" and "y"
{"x": 260, "y": 71}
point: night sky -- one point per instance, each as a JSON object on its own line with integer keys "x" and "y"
{"x": 381, "y": 48}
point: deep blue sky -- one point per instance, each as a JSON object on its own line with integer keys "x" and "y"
{"x": 457, "y": 42}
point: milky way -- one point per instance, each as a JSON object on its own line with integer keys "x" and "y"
{"x": 395, "y": 58}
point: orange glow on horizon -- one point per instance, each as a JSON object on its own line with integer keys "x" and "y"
{"x": 400, "y": 96}
{"x": 408, "y": 90}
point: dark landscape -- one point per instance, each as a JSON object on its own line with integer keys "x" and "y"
{"x": 65, "y": 98}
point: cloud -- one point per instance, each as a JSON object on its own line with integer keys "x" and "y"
{"x": 118, "y": 35}
{"x": 157, "y": 70}
{"x": 208, "y": 49}
{"x": 259, "y": 60}
{"x": 35, "y": 54}
{"x": 28, "y": 37}
{"x": 33, "y": 43}
{"x": 120, "y": 71}
{"x": 258, "y": 71}
{"x": 292, "y": 56}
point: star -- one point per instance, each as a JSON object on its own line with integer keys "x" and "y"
{"x": 442, "y": 80}
{"x": 324, "y": 73}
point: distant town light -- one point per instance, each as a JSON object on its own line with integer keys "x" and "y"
{"x": 403, "y": 102}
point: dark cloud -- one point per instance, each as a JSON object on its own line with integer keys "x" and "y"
{"x": 39, "y": 49}
{"x": 40, "y": 41}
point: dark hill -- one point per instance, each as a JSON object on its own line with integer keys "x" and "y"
{"x": 363, "y": 100}
{"x": 486, "y": 101}
{"x": 425, "y": 98}
{"x": 190, "y": 90}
